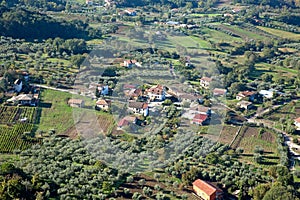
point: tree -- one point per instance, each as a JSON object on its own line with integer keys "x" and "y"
{"x": 279, "y": 192}
{"x": 259, "y": 191}
{"x": 77, "y": 60}
{"x": 136, "y": 196}
{"x": 212, "y": 158}
{"x": 258, "y": 158}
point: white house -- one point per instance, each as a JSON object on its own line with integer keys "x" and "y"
{"x": 103, "y": 104}
{"x": 130, "y": 12}
{"x": 156, "y": 93}
{"x": 246, "y": 94}
{"x": 205, "y": 82}
{"x": 139, "y": 108}
{"x": 267, "y": 93}
{"x": 129, "y": 63}
{"x": 18, "y": 85}
{"x": 245, "y": 104}
{"x": 23, "y": 99}
{"x": 297, "y": 123}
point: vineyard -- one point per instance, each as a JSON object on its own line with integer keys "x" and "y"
{"x": 12, "y": 114}
{"x": 16, "y": 128}
{"x": 16, "y": 138}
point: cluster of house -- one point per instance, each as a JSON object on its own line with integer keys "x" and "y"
{"x": 198, "y": 114}
{"x": 130, "y": 63}
{"x": 207, "y": 191}
{"x": 245, "y": 98}
{"x": 25, "y": 99}
{"x": 22, "y": 99}
{"x": 138, "y": 101}
{"x": 205, "y": 83}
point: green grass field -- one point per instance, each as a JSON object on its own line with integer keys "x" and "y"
{"x": 244, "y": 33}
{"x": 218, "y": 36}
{"x": 56, "y": 114}
{"x": 280, "y": 33}
{"x": 276, "y": 71}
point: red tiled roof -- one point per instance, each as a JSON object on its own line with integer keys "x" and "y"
{"x": 103, "y": 102}
{"x": 131, "y": 61}
{"x": 129, "y": 86}
{"x": 158, "y": 89}
{"x": 200, "y": 118}
{"x": 219, "y": 91}
{"x": 297, "y": 120}
{"x": 246, "y": 93}
{"x": 123, "y": 122}
{"x": 135, "y": 92}
{"x": 126, "y": 121}
{"x": 207, "y": 79}
{"x": 205, "y": 187}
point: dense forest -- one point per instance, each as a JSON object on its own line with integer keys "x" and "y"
{"x": 27, "y": 24}
{"x": 55, "y": 5}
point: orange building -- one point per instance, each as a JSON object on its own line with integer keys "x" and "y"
{"x": 206, "y": 190}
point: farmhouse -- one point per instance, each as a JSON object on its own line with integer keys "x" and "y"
{"x": 201, "y": 110}
{"x": 79, "y": 103}
{"x": 23, "y": 99}
{"x": 200, "y": 119}
{"x": 249, "y": 95}
{"x": 126, "y": 121}
{"x": 130, "y": 12}
{"x": 297, "y": 123}
{"x": 190, "y": 98}
{"x": 205, "y": 82}
{"x": 103, "y": 104}
{"x": 245, "y": 105}
{"x": 129, "y": 63}
{"x": 219, "y": 92}
{"x": 156, "y": 93}
{"x": 207, "y": 191}
{"x": 18, "y": 85}
{"x": 139, "y": 108}
{"x": 134, "y": 93}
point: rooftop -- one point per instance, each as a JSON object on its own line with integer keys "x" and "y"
{"x": 138, "y": 105}
{"x": 207, "y": 79}
{"x": 103, "y": 102}
{"x": 205, "y": 187}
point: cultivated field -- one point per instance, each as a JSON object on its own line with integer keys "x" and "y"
{"x": 16, "y": 128}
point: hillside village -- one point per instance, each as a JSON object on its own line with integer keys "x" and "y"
{"x": 149, "y": 99}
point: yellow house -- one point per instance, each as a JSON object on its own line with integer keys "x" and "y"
{"x": 206, "y": 190}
